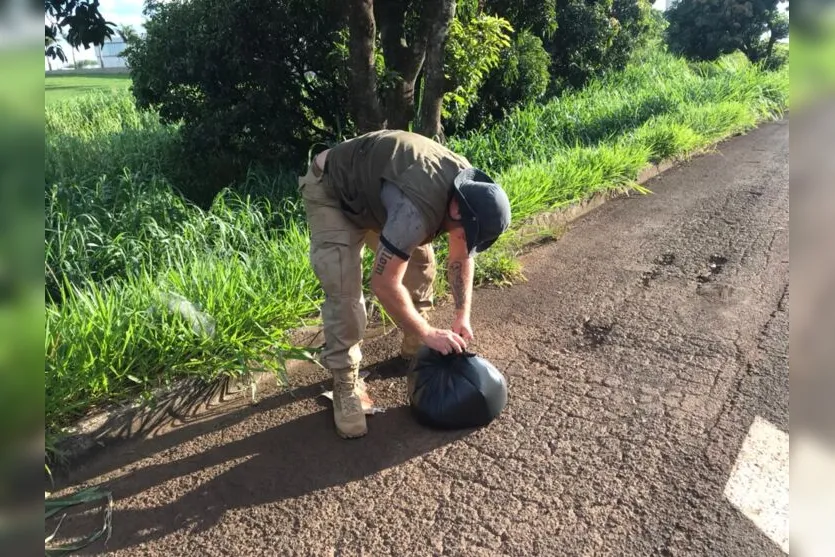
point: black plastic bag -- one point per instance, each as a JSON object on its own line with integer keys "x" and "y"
{"x": 455, "y": 391}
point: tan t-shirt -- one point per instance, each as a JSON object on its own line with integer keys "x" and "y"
{"x": 404, "y": 229}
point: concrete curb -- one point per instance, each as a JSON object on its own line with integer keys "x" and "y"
{"x": 191, "y": 397}
{"x": 559, "y": 218}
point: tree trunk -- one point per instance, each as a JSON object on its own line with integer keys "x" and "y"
{"x": 433, "y": 90}
{"x": 772, "y": 38}
{"x": 400, "y": 104}
{"x": 770, "y": 48}
{"x": 406, "y": 60}
{"x": 402, "y": 58}
{"x": 363, "y": 73}
{"x": 748, "y": 51}
{"x": 399, "y": 98}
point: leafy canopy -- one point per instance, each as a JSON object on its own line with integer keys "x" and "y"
{"x": 707, "y": 29}
{"x": 78, "y": 21}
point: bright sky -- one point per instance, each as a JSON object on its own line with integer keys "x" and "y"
{"x": 123, "y": 12}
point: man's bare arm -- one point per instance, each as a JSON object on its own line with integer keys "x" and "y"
{"x": 387, "y": 285}
{"x": 460, "y": 273}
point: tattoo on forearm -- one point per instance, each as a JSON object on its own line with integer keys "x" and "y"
{"x": 382, "y": 259}
{"x": 457, "y": 284}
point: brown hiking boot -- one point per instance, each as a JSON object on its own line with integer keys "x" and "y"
{"x": 348, "y": 413}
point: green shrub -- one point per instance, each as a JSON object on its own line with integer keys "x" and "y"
{"x": 779, "y": 57}
{"x": 707, "y": 29}
{"x": 249, "y": 81}
{"x": 522, "y": 78}
{"x": 594, "y": 38}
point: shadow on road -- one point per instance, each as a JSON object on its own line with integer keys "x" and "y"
{"x": 191, "y": 415}
{"x": 301, "y": 456}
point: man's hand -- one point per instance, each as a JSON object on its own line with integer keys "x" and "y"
{"x": 461, "y": 326}
{"x": 444, "y": 341}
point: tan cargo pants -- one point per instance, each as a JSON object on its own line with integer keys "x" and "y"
{"x": 336, "y": 250}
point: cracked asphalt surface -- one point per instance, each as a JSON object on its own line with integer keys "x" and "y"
{"x": 638, "y": 352}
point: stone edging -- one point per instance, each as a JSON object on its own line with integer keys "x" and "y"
{"x": 558, "y": 218}
{"x": 189, "y": 397}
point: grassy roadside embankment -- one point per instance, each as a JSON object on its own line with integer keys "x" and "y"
{"x": 125, "y": 254}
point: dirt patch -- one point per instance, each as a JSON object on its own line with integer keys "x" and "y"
{"x": 716, "y": 263}
{"x": 666, "y": 259}
{"x": 649, "y": 276}
{"x": 595, "y": 334}
{"x": 663, "y": 260}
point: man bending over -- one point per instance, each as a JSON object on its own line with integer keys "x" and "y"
{"x": 395, "y": 192}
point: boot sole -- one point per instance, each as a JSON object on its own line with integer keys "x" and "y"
{"x": 347, "y": 436}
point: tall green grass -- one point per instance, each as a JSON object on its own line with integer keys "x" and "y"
{"x": 144, "y": 287}
{"x": 108, "y": 337}
{"x": 100, "y": 135}
{"x": 687, "y": 94}
{"x": 602, "y": 137}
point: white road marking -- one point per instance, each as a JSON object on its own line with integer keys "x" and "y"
{"x": 759, "y": 481}
{"x": 813, "y": 497}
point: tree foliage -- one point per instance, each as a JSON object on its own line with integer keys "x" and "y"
{"x": 638, "y": 27}
{"x": 261, "y": 81}
{"x": 537, "y": 16}
{"x": 584, "y": 38}
{"x": 128, "y": 34}
{"x": 707, "y": 29}
{"x": 594, "y": 37}
{"x": 656, "y": 30}
{"x": 474, "y": 49}
{"x": 522, "y": 77}
{"x": 78, "y": 21}
{"x": 257, "y": 80}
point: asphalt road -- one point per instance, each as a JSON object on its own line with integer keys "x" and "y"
{"x": 646, "y": 344}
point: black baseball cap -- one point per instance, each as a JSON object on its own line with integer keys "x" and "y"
{"x": 485, "y": 209}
